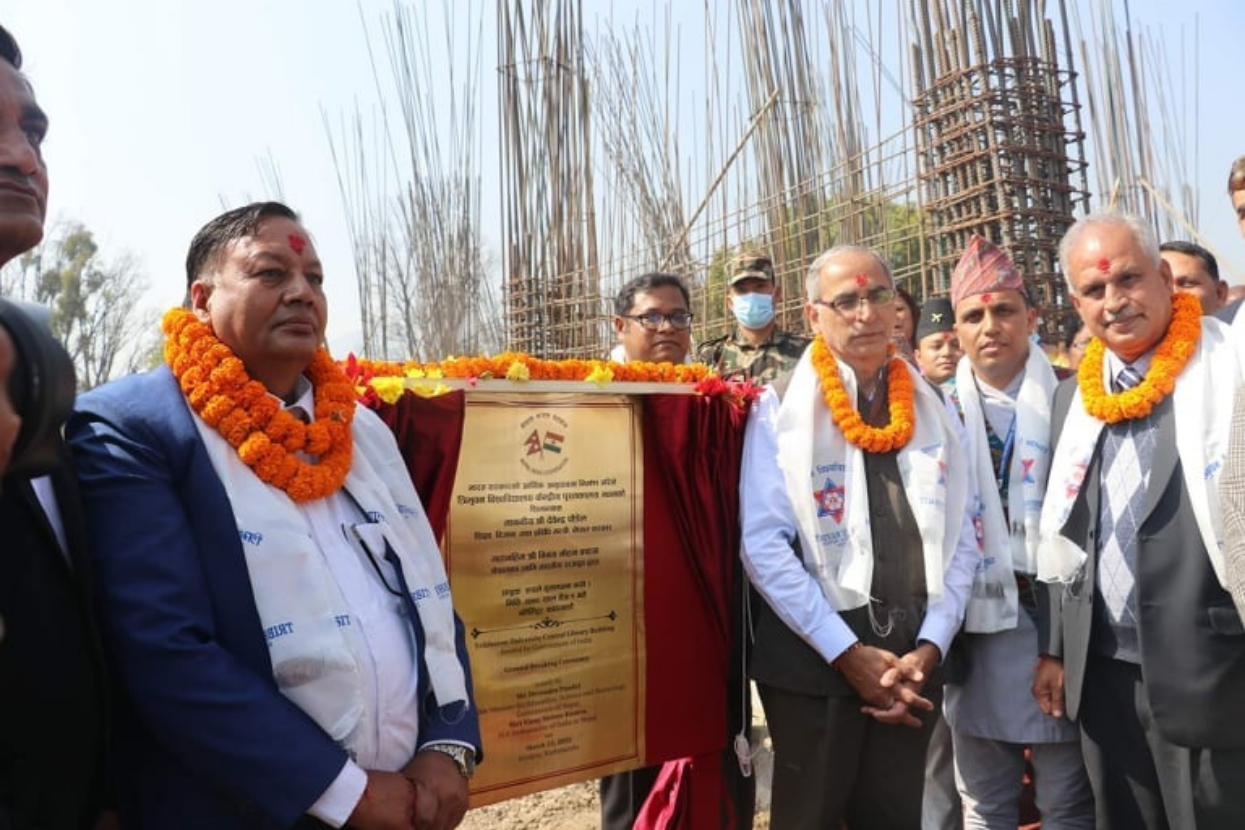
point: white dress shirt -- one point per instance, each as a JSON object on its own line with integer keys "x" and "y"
{"x": 387, "y": 665}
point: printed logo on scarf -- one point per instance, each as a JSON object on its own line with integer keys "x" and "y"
{"x": 830, "y": 502}
{"x": 1075, "y": 478}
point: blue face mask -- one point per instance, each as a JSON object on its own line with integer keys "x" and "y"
{"x": 753, "y": 311}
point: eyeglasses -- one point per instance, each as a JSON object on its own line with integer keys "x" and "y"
{"x": 361, "y": 534}
{"x": 652, "y": 320}
{"x": 848, "y": 303}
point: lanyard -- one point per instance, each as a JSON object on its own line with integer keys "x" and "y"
{"x": 1005, "y": 461}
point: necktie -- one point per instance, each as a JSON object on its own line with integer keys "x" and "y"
{"x": 1127, "y": 378}
{"x": 1127, "y": 453}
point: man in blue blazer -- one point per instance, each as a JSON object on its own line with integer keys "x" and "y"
{"x": 1138, "y": 625}
{"x": 271, "y": 594}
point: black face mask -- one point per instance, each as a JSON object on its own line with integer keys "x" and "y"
{"x": 41, "y": 387}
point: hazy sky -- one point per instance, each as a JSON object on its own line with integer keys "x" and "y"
{"x": 163, "y": 110}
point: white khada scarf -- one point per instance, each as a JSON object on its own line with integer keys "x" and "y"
{"x": 993, "y": 604}
{"x": 826, "y": 476}
{"x": 1202, "y": 406}
{"x": 313, "y": 646}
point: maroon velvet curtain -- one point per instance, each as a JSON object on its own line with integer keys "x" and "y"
{"x": 692, "y": 448}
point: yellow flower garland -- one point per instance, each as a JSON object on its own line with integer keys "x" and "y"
{"x": 900, "y": 400}
{"x": 217, "y": 386}
{"x": 1168, "y": 362}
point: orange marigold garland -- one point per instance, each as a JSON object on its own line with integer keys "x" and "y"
{"x": 521, "y": 367}
{"x": 1169, "y": 360}
{"x": 900, "y": 399}
{"x": 218, "y": 388}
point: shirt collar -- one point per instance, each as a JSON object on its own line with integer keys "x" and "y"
{"x": 305, "y": 402}
{"x": 1113, "y": 365}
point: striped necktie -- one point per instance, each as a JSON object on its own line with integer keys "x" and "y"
{"x": 1127, "y": 379}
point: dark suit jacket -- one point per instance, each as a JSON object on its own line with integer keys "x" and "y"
{"x": 204, "y": 738}
{"x": 1192, "y": 641}
{"x": 52, "y": 692}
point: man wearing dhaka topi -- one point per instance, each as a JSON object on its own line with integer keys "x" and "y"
{"x": 1005, "y": 387}
{"x": 271, "y": 594}
{"x": 1139, "y": 640}
{"x": 853, "y": 491}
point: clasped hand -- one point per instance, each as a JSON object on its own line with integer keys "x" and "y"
{"x": 890, "y": 685}
{"x": 428, "y": 794}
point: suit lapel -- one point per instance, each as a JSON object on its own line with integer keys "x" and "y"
{"x": 1091, "y": 502}
{"x": 39, "y": 517}
{"x": 65, "y": 485}
{"x": 1082, "y": 524}
{"x": 1163, "y": 465}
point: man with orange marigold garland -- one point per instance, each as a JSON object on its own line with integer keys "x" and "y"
{"x": 272, "y": 595}
{"x": 1005, "y": 386}
{"x": 856, "y": 534}
{"x": 1139, "y": 640}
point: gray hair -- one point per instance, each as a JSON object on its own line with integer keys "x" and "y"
{"x": 812, "y": 282}
{"x": 1140, "y": 230}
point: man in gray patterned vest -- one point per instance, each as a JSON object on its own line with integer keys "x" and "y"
{"x": 1139, "y": 640}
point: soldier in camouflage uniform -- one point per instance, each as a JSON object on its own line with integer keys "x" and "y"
{"x": 757, "y": 348}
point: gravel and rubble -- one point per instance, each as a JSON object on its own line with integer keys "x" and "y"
{"x": 577, "y": 807}
{"x": 569, "y": 808}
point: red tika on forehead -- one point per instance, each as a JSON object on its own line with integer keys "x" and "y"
{"x": 862, "y": 280}
{"x": 298, "y": 243}
{"x": 1104, "y": 265}
{"x": 985, "y": 298}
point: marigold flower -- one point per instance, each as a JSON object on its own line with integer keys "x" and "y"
{"x": 389, "y": 389}
{"x": 601, "y": 375}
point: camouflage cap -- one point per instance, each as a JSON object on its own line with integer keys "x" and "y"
{"x": 751, "y": 265}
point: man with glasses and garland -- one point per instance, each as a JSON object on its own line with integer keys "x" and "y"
{"x": 856, "y": 534}
{"x": 757, "y": 349}
{"x": 271, "y": 593}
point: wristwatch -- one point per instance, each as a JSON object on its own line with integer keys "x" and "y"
{"x": 463, "y": 756}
